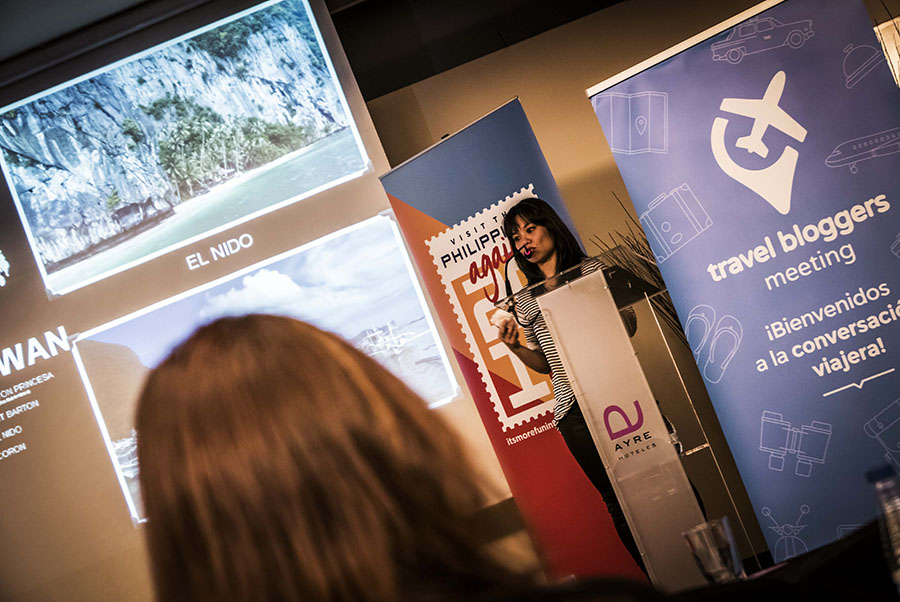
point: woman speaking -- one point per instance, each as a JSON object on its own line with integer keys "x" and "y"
{"x": 543, "y": 246}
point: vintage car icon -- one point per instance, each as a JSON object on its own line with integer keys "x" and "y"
{"x": 760, "y": 34}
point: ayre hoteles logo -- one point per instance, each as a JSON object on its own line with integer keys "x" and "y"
{"x": 630, "y": 440}
{"x": 4, "y": 269}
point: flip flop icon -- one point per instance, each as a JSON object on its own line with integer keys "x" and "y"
{"x": 724, "y": 345}
{"x": 699, "y": 326}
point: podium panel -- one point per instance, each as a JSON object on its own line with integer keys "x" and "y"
{"x": 626, "y": 426}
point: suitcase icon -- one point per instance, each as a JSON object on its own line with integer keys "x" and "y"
{"x": 672, "y": 220}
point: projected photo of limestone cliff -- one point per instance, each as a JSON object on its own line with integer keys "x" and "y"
{"x": 356, "y": 282}
{"x": 177, "y": 143}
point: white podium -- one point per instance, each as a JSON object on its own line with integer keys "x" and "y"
{"x": 625, "y": 422}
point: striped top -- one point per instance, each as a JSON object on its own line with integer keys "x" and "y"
{"x": 538, "y": 335}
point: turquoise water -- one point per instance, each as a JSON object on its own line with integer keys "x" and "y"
{"x": 320, "y": 163}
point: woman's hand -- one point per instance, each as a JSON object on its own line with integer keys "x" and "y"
{"x": 509, "y": 334}
{"x": 533, "y": 358}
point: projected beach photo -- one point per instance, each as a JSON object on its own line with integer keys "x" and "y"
{"x": 357, "y": 283}
{"x": 177, "y": 143}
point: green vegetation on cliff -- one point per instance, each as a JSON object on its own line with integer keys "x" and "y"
{"x": 228, "y": 41}
{"x": 113, "y": 200}
{"x": 201, "y": 149}
{"x": 131, "y": 129}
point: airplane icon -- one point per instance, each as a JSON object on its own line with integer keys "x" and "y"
{"x": 775, "y": 182}
{"x": 765, "y": 112}
{"x": 866, "y": 147}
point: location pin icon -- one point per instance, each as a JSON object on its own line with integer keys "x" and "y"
{"x": 640, "y": 124}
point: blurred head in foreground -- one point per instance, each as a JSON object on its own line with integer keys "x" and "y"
{"x": 280, "y": 463}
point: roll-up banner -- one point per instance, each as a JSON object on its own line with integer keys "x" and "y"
{"x": 449, "y": 202}
{"x": 762, "y": 160}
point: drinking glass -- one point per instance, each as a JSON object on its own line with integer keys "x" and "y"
{"x": 715, "y": 550}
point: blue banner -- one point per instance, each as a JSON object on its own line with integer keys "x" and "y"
{"x": 763, "y": 164}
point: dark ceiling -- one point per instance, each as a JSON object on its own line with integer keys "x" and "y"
{"x": 389, "y": 43}
{"x": 393, "y": 43}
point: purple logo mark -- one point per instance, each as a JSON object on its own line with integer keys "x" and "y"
{"x": 630, "y": 426}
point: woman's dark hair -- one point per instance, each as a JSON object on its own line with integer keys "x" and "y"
{"x": 533, "y": 210}
{"x": 279, "y": 463}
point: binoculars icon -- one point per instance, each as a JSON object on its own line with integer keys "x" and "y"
{"x": 779, "y": 438}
